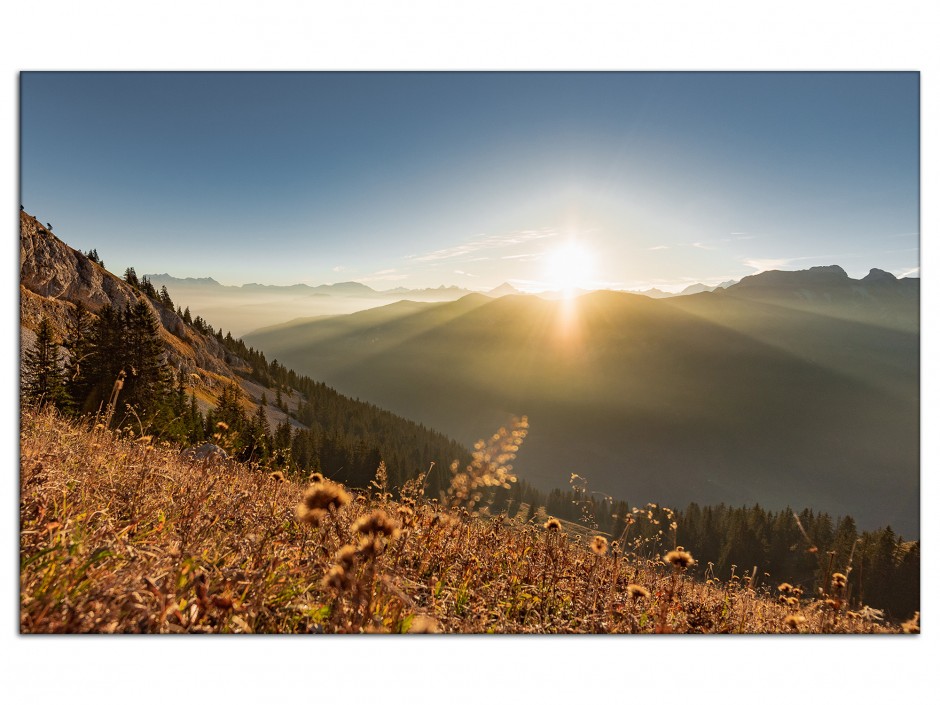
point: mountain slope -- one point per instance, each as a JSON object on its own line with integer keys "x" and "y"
{"x": 325, "y": 430}
{"x": 803, "y": 393}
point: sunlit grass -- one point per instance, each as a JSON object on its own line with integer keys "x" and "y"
{"x": 120, "y": 535}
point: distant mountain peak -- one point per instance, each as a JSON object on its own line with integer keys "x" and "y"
{"x": 814, "y": 276}
{"x": 170, "y": 279}
{"x": 879, "y": 275}
{"x": 504, "y": 289}
{"x": 696, "y": 289}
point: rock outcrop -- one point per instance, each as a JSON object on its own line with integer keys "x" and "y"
{"x": 54, "y": 278}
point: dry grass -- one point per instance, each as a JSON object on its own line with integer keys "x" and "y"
{"x": 120, "y": 536}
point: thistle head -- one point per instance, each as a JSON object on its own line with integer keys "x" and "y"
{"x": 679, "y": 559}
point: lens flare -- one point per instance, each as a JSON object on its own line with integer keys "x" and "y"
{"x": 569, "y": 267}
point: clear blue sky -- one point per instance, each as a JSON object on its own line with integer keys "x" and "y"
{"x": 425, "y": 179}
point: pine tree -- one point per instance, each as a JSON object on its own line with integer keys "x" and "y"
{"x": 165, "y": 298}
{"x": 130, "y": 276}
{"x": 79, "y": 332}
{"x": 104, "y": 359}
{"x": 148, "y": 382}
{"x": 42, "y": 378}
{"x": 260, "y": 434}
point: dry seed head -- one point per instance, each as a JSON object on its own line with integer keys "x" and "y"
{"x": 309, "y": 516}
{"x": 278, "y": 476}
{"x": 599, "y": 545}
{"x": 376, "y": 522}
{"x": 345, "y": 556}
{"x": 637, "y": 591}
{"x": 784, "y": 588}
{"x": 336, "y": 578}
{"x": 316, "y": 477}
{"x": 552, "y": 524}
{"x": 794, "y": 621}
{"x": 679, "y": 559}
{"x": 912, "y": 626}
{"x": 839, "y": 580}
{"x": 325, "y": 495}
{"x": 369, "y": 548}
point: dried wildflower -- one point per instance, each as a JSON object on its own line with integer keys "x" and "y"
{"x": 316, "y": 477}
{"x": 320, "y": 497}
{"x": 422, "y": 624}
{"x": 278, "y": 476}
{"x": 599, "y": 545}
{"x": 794, "y": 621}
{"x": 785, "y": 588}
{"x": 222, "y": 426}
{"x": 792, "y": 601}
{"x": 345, "y": 556}
{"x": 552, "y": 524}
{"x": 376, "y": 522}
{"x": 679, "y": 559}
{"x": 833, "y": 604}
{"x": 369, "y": 548}
{"x": 839, "y": 580}
{"x": 797, "y": 592}
{"x": 336, "y": 577}
{"x": 637, "y": 591}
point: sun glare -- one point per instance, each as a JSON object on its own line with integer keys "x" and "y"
{"x": 569, "y": 267}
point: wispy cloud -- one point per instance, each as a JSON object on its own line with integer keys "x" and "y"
{"x": 526, "y": 257}
{"x": 907, "y": 273}
{"x": 339, "y": 268}
{"x": 659, "y": 247}
{"x": 466, "y": 274}
{"x": 485, "y": 242}
{"x": 702, "y": 246}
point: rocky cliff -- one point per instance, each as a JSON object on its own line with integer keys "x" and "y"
{"x": 54, "y": 278}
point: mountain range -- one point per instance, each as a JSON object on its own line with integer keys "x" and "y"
{"x": 241, "y": 309}
{"x": 787, "y": 388}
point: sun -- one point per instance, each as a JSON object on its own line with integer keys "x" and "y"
{"x": 569, "y": 267}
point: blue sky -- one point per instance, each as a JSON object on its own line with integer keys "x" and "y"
{"x": 428, "y": 179}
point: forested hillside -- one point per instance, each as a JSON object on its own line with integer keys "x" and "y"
{"x": 121, "y": 350}
{"x": 797, "y": 390}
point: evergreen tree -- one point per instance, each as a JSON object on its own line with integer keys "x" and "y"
{"x": 165, "y": 298}
{"x": 104, "y": 359}
{"x": 148, "y": 288}
{"x": 130, "y": 276}
{"x": 260, "y": 435}
{"x": 148, "y": 380}
{"x": 79, "y": 332}
{"x": 42, "y": 378}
